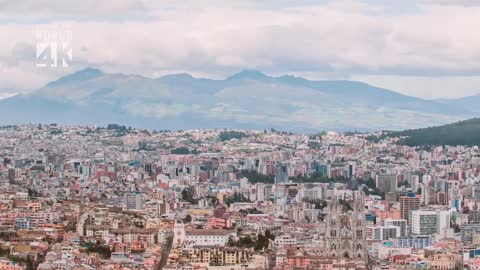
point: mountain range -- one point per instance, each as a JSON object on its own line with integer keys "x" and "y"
{"x": 246, "y": 100}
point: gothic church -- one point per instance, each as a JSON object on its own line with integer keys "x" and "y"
{"x": 345, "y": 234}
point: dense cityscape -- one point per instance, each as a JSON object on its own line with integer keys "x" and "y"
{"x": 115, "y": 197}
{"x": 239, "y": 135}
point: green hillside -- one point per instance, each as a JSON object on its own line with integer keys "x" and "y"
{"x": 460, "y": 133}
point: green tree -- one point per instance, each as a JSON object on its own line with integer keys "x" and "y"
{"x": 188, "y": 195}
{"x": 269, "y": 235}
{"x": 180, "y": 151}
{"x": 229, "y": 135}
{"x": 187, "y": 219}
{"x": 255, "y": 177}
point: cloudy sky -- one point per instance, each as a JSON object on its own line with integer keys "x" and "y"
{"x": 425, "y": 48}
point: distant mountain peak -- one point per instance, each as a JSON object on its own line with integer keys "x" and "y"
{"x": 87, "y": 73}
{"x": 177, "y": 76}
{"x": 249, "y": 99}
{"x": 248, "y": 74}
{"x": 81, "y": 75}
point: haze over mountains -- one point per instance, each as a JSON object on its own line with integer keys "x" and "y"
{"x": 248, "y": 99}
{"x": 470, "y": 103}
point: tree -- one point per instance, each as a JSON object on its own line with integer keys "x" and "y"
{"x": 246, "y": 241}
{"x": 180, "y": 151}
{"x": 103, "y": 250}
{"x": 188, "y": 195}
{"x": 460, "y": 133}
{"x": 255, "y": 177}
{"x": 269, "y": 235}
{"x": 231, "y": 242}
{"x": 229, "y": 135}
{"x": 262, "y": 241}
{"x": 142, "y": 145}
{"x": 456, "y": 228}
{"x": 314, "y": 145}
{"x": 236, "y": 197}
{"x": 187, "y": 219}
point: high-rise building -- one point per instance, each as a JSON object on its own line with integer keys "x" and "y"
{"x": 162, "y": 208}
{"x": 454, "y": 194}
{"x": 387, "y": 182}
{"x": 425, "y": 194}
{"x": 476, "y": 192}
{"x": 281, "y": 175}
{"x": 351, "y": 169}
{"x": 11, "y": 175}
{"x": 414, "y": 182}
{"x": 260, "y": 192}
{"x": 407, "y": 204}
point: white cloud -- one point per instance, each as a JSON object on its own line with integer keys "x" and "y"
{"x": 454, "y": 2}
{"x": 6, "y": 95}
{"x": 46, "y": 9}
{"x": 337, "y": 38}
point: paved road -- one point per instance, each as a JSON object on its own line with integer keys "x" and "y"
{"x": 165, "y": 252}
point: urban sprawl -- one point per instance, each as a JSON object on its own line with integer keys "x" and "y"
{"x": 114, "y": 197}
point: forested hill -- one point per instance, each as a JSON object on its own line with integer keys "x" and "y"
{"x": 460, "y": 133}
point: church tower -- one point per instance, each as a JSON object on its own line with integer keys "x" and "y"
{"x": 345, "y": 234}
{"x": 178, "y": 234}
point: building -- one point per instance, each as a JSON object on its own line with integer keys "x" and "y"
{"x": 429, "y": 221}
{"x": 216, "y": 256}
{"x": 285, "y": 240}
{"x": 9, "y": 265}
{"x": 133, "y": 201}
{"x": 387, "y": 182}
{"x": 281, "y": 175}
{"x": 382, "y": 232}
{"x": 345, "y": 234}
{"x": 22, "y": 223}
{"x": 443, "y": 261}
{"x": 402, "y": 223}
{"x": 206, "y": 237}
{"x": 178, "y": 234}
{"x": 454, "y": 194}
{"x": 407, "y": 204}
{"x": 467, "y": 232}
{"x": 162, "y": 208}
{"x": 413, "y": 242}
{"x": 11, "y": 175}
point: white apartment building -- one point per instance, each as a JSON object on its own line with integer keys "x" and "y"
{"x": 285, "y": 240}
{"x": 430, "y": 221}
{"x": 207, "y": 237}
{"x": 383, "y": 232}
